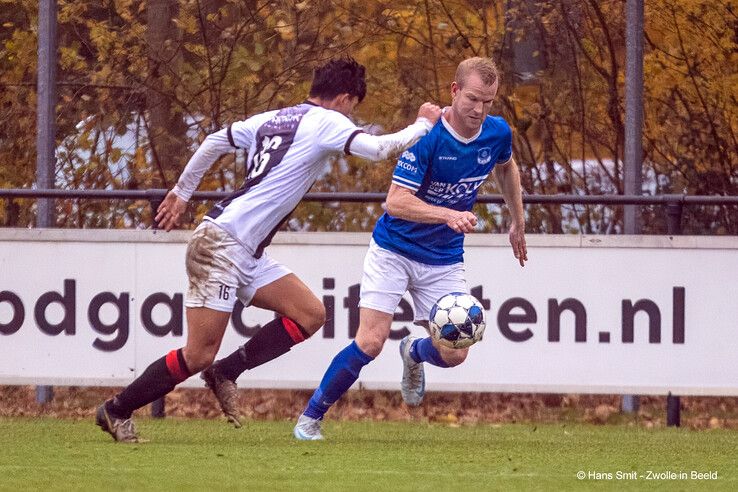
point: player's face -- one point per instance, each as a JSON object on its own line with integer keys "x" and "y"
{"x": 472, "y": 102}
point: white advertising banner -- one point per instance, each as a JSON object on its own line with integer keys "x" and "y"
{"x": 587, "y": 314}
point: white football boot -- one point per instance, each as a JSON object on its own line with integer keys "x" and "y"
{"x": 307, "y": 429}
{"x": 413, "y": 375}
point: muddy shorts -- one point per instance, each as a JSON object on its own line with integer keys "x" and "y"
{"x": 221, "y": 271}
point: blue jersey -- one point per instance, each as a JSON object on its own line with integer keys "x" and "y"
{"x": 443, "y": 169}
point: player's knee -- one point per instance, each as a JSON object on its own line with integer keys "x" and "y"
{"x": 454, "y": 357}
{"x": 200, "y": 358}
{"x": 313, "y": 317}
{"x": 370, "y": 342}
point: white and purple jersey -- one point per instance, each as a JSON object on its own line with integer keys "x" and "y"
{"x": 287, "y": 151}
{"x": 443, "y": 169}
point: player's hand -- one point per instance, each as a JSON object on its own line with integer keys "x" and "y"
{"x": 429, "y": 111}
{"x": 170, "y": 211}
{"x": 461, "y": 221}
{"x": 517, "y": 241}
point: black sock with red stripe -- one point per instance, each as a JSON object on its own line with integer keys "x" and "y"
{"x": 156, "y": 381}
{"x": 274, "y": 339}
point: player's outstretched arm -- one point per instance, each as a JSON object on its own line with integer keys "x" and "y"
{"x": 508, "y": 177}
{"x": 381, "y": 147}
{"x": 402, "y": 203}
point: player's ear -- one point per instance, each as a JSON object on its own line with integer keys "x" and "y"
{"x": 454, "y": 89}
{"x": 346, "y": 102}
{"x": 338, "y": 101}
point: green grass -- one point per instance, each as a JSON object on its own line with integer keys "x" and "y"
{"x": 47, "y": 454}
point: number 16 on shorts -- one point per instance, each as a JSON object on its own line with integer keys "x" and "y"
{"x": 224, "y": 292}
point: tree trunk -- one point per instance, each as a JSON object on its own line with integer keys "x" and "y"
{"x": 165, "y": 123}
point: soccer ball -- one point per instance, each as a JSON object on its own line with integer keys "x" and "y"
{"x": 457, "y": 320}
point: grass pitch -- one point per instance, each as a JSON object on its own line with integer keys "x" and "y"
{"x": 48, "y": 454}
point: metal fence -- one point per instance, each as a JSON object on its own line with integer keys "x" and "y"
{"x": 672, "y": 204}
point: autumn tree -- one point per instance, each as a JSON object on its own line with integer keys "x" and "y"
{"x": 142, "y": 83}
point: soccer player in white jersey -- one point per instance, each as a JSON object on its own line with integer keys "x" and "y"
{"x": 418, "y": 244}
{"x": 225, "y": 260}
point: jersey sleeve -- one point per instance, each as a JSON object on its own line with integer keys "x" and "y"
{"x": 506, "y": 146}
{"x": 336, "y": 132}
{"x": 413, "y": 164}
{"x": 241, "y": 134}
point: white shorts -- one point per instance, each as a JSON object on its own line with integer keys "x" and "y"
{"x": 387, "y": 276}
{"x": 220, "y": 271}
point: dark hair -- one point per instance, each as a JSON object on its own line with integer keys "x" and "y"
{"x": 339, "y": 76}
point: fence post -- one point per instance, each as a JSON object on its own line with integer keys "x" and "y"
{"x": 674, "y": 227}
{"x": 46, "y": 129}
{"x": 673, "y": 411}
{"x": 633, "y": 145}
{"x": 674, "y": 218}
{"x": 44, "y": 394}
{"x": 158, "y": 407}
{"x": 155, "y": 199}
{"x": 630, "y": 403}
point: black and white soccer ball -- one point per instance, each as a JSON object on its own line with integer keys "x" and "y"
{"x": 457, "y": 320}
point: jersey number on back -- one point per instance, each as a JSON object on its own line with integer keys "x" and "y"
{"x": 261, "y": 158}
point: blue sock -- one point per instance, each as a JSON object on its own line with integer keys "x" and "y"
{"x": 338, "y": 378}
{"x": 423, "y": 351}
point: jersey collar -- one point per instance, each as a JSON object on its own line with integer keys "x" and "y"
{"x": 458, "y": 137}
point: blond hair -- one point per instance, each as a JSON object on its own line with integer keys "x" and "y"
{"x": 484, "y": 67}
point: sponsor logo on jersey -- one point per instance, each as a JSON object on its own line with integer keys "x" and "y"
{"x": 286, "y": 120}
{"x": 408, "y": 156}
{"x": 447, "y": 158}
{"x": 450, "y": 193}
{"x": 407, "y": 166}
{"x": 484, "y": 155}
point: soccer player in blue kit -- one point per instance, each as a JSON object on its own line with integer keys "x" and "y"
{"x": 418, "y": 244}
